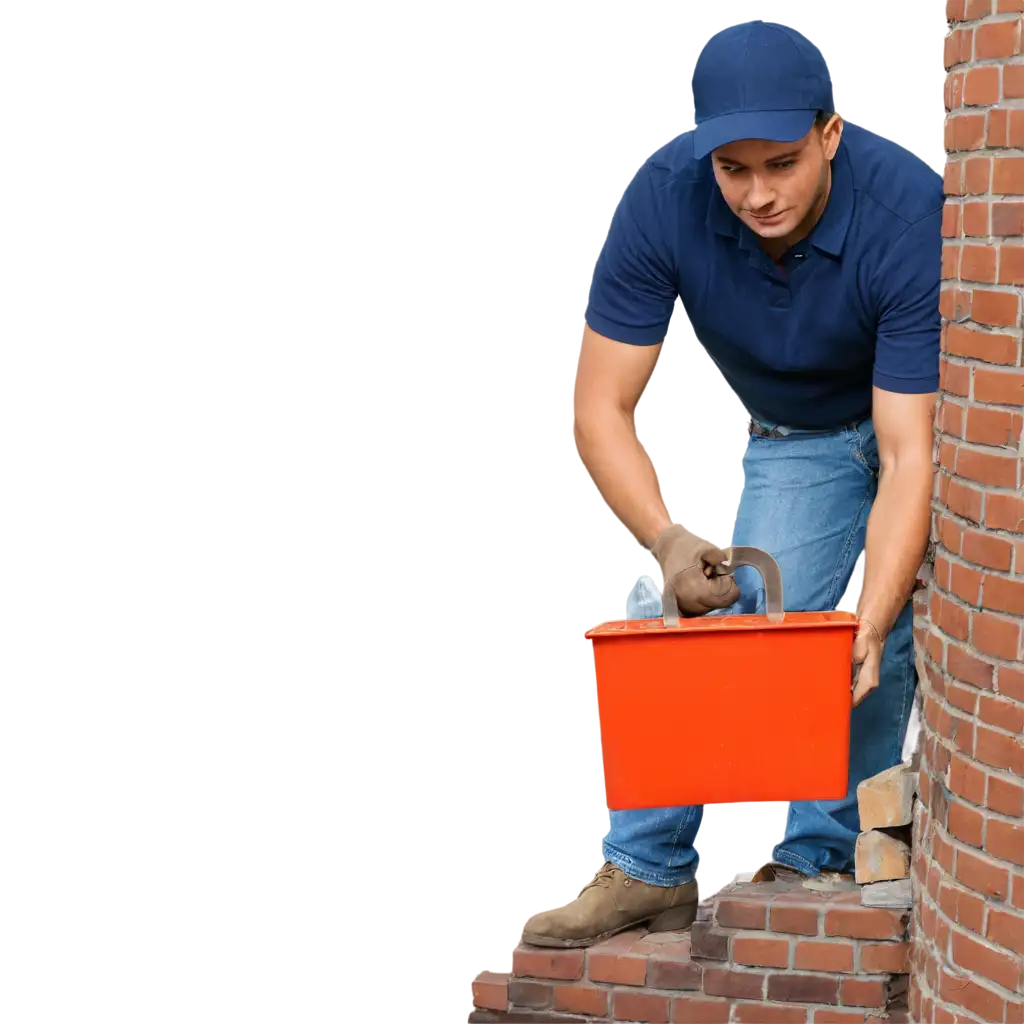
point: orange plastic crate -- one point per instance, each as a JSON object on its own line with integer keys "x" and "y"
{"x": 728, "y": 708}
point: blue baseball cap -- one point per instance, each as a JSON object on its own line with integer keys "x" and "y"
{"x": 757, "y": 81}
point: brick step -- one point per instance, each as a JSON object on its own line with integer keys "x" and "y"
{"x": 762, "y": 953}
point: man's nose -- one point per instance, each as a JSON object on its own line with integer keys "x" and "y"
{"x": 760, "y": 194}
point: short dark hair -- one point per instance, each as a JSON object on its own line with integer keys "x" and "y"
{"x": 822, "y": 116}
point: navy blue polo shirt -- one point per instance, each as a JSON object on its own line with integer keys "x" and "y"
{"x": 801, "y": 342}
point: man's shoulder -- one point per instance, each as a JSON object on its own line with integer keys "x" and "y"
{"x": 892, "y": 179}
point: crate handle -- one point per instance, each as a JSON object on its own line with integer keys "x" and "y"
{"x": 735, "y": 556}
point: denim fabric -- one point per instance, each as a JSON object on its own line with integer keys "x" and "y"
{"x": 806, "y": 501}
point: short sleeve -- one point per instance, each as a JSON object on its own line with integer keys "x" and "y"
{"x": 633, "y": 289}
{"x": 907, "y": 348}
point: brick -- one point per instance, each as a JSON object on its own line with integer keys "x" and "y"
{"x": 966, "y": 824}
{"x": 753, "y": 952}
{"x": 1003, "y": 387}
{"x": 978, "y": 175}
{"x": 880, "y": 857}
{"x": 1017, "y": 894}
{"x": 965, "y": 583}
{"x": 951, "y": 415}
{"x": 1011, "y": 265}
{"x": 535, "y": 994}
{"x": 964, "y": 992}
{"x": 954, "y": 378}
{"x": 862, "y": 992}
{"x": 982, "y": 874}
{"x": 640, "y": 1006}
{"x": 1002, "y": 968}
{"x": 995, "y": 308}
{"x": 586, "y": 999}
{"x": 753, "y": 1013}
{"x": 997, "y": 39}
{"x": 732, "y": 983}
{"x": 561, "y": 964}
{"x": 1003, "y": 714}
{"x": 794, "y": 920}
{"x": 993, "y": 426}
{"x": 707, "y": 942}
{"x": 951, "y": 213}
{"x": 1006, "y": 928}
{"x": 953, "y": 175}
{"x": 490, "y": 991}
{"x": 957, "y": 47}
{"x": 950, "y": 269}
{"x": 1011, "y": 683}
{"x": 955, "y": 303}
{"x": 1013, "y": 81}
{"x": 978, "y": 9}
{"x": 981, "y": 86}
{"x": 700, "y": 1011}
{"x": 803, "y": 988}
{"x": 998, "y": 750}
{"x": 950, "y": 617}
{"x": 1005, "y": 512}
{"x": 968, "y": 668}
{"x": 996, "y": 636}
{"x": 617, "y": 970}
{"x": 821, "y": 956}
{"x": 1008, "y": 175}
{"x": 973, "y": 344}
{"x": 1005, "y": 840}
{"x": 984, "y": 548}
{"x": 962, "y": 906}
{"x": 975, "y": 219}
{"x": 947, "y": 455}
{"x": 987, "y": 467}
{"x": 977, "y": 263}
{"x": 1007, "y": 219}
{"x": 966, "y": 779}
{"x": 673, "y": 974}
{"x": 887, "y": 799}
{"x": 733, "y": 913}
{"x": 963, "y": 697}
{"x": 943, "y": 851}
{"x": 884, "y": 957}
{"x": 1004, "y": 595}
{"x": 865, "y": 923}
{"x": 1009, "y": 6}
{"x": 1005, "y": 796}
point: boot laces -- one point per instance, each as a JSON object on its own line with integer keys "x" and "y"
{"x": 603, "y": 878}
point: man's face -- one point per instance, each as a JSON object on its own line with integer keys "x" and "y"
{"x": 775, "y": 187}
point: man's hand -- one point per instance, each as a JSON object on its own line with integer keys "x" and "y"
{"x": 867, "y": 659}
{"x": 698, "y": 591}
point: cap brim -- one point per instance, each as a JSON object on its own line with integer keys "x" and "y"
{"x": 774, "y": 125}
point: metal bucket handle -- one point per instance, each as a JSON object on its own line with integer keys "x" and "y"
{"x": 736, "y": 556}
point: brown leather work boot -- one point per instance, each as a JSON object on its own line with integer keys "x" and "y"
{"x": 611, "y": 903}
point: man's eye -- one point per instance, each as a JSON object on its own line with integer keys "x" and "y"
{"x": 784, "y": 165}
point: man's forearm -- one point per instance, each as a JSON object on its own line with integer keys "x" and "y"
{"x": 897, "y": 538}
{"x": 623, "y": 472}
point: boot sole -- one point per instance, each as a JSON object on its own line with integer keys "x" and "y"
{"x": 672, "y": 920}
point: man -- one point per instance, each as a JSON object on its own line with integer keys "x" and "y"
{"x": 806, "y": 253}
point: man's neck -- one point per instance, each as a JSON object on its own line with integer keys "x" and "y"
{"x": 775, "y": 247}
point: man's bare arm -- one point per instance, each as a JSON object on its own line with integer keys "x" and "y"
{"x": 897, "y": 534}
{"x": 610, "y": 378}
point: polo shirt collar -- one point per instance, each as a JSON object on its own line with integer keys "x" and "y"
{"x": 828, "y": 235}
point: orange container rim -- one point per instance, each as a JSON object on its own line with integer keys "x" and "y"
{"x": 724, "y": 624}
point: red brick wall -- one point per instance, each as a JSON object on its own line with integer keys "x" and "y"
{"x": 969, "y": 883}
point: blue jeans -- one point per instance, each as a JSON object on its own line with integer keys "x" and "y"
{"x": 806, "y": 500}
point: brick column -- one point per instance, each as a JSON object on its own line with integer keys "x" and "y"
{"x": 969, "y": 835}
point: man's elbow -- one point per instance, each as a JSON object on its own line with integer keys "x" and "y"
{"x": 594, "y": 420}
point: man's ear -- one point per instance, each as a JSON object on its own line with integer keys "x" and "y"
{"x": 831, "y": 133}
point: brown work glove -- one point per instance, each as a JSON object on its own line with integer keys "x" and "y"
{"x": 698, "y": 590}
